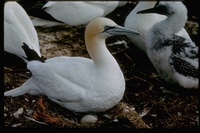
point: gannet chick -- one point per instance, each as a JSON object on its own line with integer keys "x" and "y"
{"x": 75, "y": 13}
{"x": 143, "y": 22}
{"x": 77, "y": 83}
{"x": 18, "y": 28}
{"x": 174, "y": 57}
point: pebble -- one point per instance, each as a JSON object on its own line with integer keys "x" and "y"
{"x": 29, "y": 111}
{"x": 17, "y": 125}
{"x": 18, "y": 112}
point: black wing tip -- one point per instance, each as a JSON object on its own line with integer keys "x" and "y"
{"x": 30, "y": 53}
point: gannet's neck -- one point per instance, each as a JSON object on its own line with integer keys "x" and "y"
{"x": 98, "y": 51}
{"x": 174, "y": 22}
{"x": 177, "y": 21}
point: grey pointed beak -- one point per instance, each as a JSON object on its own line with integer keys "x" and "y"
{"x": 120, "y": 30}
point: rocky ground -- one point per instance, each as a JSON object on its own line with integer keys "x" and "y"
{"x": 148, "y": 101}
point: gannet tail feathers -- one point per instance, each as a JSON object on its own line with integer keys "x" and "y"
{"x": 30, "y": 53}
{"x": 16, "y": 92}
{"x": 28, "y": 87}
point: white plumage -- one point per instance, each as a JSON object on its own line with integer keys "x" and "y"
{"x": 143, "y": 22}
{"x": 18, "y": 28}
{"x": 174, "y": 57}
{"x": 77, "y": 83}
{"x": 76, "y": 13}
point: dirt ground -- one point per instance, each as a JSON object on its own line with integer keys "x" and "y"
{"x": 148, "y": 101}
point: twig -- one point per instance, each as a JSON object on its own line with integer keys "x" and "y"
{"x": 124, "y": 111}
{"x": 140, "y": 79}
{"x": 29, "y": 118}
{"x": 24, "y": 75}
{"x": 9, "y": 70}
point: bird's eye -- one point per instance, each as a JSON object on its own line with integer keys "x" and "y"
{"x": 108, "y": 27}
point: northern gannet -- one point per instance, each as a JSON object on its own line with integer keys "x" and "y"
{"x": 174, "y": 57}
{"x": 143, "y": 22}
{"x": 77, "y": 83}
{"x": 18, "y": 28}
{"x": 75, "y": 13}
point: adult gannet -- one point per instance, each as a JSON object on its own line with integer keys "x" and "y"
{"x": 18, "y": 28}
{"x": 143, "y": 22}
{"x": 174, "y": 57}
{"x": 75, "y": 13}
{"x": 77, "y": 83}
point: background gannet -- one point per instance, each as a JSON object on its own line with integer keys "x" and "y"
{"x": 77, "y": 83}
{"x": 174, "y": 57}
{"x": 18, "y": 28}
{"x": 143, "y": 22}
{"x": 75, "y": 13}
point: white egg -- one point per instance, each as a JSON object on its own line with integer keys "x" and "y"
{"x": 89, "y": 119}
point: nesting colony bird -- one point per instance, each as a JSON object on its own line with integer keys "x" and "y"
{"x": 174, "y": 57}
{"x": 18, "y": 28}
{"x": 77, "y": 83}
{"x": 143, "y": 22}
{"x": 75, "y": 13}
